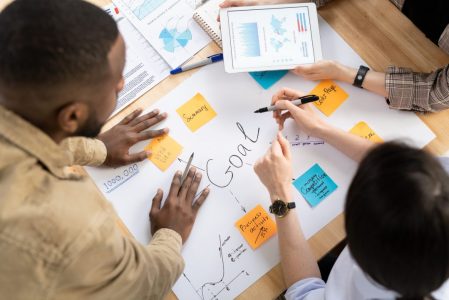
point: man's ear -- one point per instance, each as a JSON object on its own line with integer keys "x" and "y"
{"x": 72, "y": 116}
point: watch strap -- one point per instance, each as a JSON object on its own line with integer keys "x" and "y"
{"x": 291, "y": 205}
{"x": 360, "y": 77}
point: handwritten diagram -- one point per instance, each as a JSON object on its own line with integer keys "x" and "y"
{"x": 212, "y": 290}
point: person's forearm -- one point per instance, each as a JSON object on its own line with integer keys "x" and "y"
{"x": 297, "y": 260}
{"x": 374, "y": 81}
{"x": 351, "y": 145}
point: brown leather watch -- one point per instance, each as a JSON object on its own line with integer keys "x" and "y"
{"x": 281, "y": 208}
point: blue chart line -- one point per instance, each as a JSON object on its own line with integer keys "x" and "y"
{"x": 248, "y": 39}
{"x": 147, "y": 7}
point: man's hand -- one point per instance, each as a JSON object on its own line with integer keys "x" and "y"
{"x": 180, "y": 208}
{"x": 131, "y": 130}
{"x": 275, "y": 169}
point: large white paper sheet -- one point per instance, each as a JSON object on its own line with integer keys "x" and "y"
{"x": 219, "y": 263}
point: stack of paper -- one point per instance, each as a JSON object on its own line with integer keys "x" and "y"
{"x": 159, "y": 35}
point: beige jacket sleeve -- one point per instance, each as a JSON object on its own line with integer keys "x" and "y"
{"x": 121, "y": 268}
{"x": 85, "y": 151}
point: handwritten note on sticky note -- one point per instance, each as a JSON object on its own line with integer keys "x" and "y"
{"x": 196, "y": 112}
{"x": 315, "y": 185}
{"x": 363, "y": 130}
{"x": 164, "y": 150}
{"x": 267, "y": 79}
{"x": 256, "y": 226}
{"x": 331, "y": 96}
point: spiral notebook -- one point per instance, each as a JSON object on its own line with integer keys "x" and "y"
{"x": 206, "y": 16}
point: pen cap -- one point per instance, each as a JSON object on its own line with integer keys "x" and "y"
{"x": 216, "y": 57}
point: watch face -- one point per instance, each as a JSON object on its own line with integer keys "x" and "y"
{"x": 279, "y": 208}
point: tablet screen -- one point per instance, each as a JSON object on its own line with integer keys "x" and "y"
{"x": 270, "y": 38}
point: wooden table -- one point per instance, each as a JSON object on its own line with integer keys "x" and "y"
{"x": 382, "y": 36}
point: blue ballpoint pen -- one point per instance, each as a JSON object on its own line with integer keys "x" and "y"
{"x": 210, "y": 60}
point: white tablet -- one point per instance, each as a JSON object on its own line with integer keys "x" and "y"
{"x": 271, "y": 37}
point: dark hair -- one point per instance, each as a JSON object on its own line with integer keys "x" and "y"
{"x": 54, "y": 42}
{"x": 397, "y": 219}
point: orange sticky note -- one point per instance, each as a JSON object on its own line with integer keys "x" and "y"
{"x": 164, "y": 150}
{"x": 256, "y": 226}
{"x": 196, "y": 112}
{"x": 363, "y": 130}
{"x": 331, "y": 96}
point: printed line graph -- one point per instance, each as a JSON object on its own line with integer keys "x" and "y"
{"x": 143, "y": 8}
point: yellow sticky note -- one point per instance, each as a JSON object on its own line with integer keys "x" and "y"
{"x": 331, "y": 96}
{"x": 196, "y": 112}
{"x": 363, "y": 130}
{"x": 164, "y": 150}
{"x": 256, "y": 226}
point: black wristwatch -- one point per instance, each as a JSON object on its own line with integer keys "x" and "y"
{"x": 360, "y": 77}
{"x": 281, "y": 208}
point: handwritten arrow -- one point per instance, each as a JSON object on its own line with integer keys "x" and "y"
{"x": 238, "y": 202}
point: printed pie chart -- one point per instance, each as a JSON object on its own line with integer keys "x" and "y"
{"x": 174, "y": 39}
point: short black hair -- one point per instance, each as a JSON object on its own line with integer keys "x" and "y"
{"x": 54, "y": 42}
{"x": 397, "y": 219}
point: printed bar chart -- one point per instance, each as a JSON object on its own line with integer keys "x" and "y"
{"x": 249, "y": 39}
{"x": 302, "y": 22}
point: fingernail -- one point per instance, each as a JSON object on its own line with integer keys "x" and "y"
{"x": 198, "y": 175}
{"x": 164, "y": 114}
{"x": 155, "y": 111}
{"x": 165, "y": 130}
{"x": 148, "y": 153}
{"x": 138, "y": 109}
{"x": 178, "y": 173}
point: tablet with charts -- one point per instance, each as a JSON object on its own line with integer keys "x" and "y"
{"x": 271, "y": 37}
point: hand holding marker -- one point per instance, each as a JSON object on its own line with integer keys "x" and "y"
{"x": 299, "y": 101}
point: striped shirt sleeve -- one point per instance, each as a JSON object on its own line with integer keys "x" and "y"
{"x": 443, "y": 42}
{"x": 320, "y": 3}
{"x": 408, "y": 90}
{"x": 398, "y": 3}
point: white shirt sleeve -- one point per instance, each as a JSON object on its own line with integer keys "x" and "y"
{"x": 306, "y": 289}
